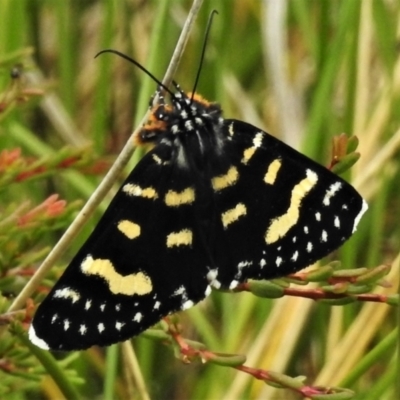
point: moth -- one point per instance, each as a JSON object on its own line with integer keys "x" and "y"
{"x": 216, "y": 202}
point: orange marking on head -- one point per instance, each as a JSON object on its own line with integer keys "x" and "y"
{"x": 199, "y": 99}
{"x": 152, "y": 124}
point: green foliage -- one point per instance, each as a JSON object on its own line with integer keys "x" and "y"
{"x": 321, "y": 69}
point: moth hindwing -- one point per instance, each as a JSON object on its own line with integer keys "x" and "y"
{"x": 216, "y": 202}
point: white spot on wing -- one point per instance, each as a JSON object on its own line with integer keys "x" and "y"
{"x": 216, "y": 284}
{"x": 360, "y": 214}
{"x": 100, "y": 327}
{"x": 233, "y": 284}
{"x": 309, "y": 247}
{"x": 337, "y": 222}
{"x": 243, "y": 264}
{"x": 187, "y": 304}
{"x": 324, "y": 236}
{"x": 278, "y": 261}
{"x": 318, "y": 216}
{"x": 67, "y": 293}
{"x": 119, "y": 325}
{"x": 295, "y": 256}
{"x": 36, "y": 340}
{"x": 263, "y": 263}
{"x": 157, "y": 305}
{"x": 333, "y": 189}
{"x": 82, "y": 329}
{"x": 211, "y": 275}
{"x": 66, "y": 324}
{"x": 138, "y": 317}
{"x": 181, "y": 290}
{"x": 257, "y": 140}
{"x": 88, "y": 304}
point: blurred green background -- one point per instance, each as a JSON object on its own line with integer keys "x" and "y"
{"x": 302, "y": 70}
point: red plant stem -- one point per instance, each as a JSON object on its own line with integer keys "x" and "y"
{"x": 319, "y": 294}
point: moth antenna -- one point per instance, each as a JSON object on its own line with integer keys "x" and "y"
{"x": 203, "y": 50}
{"x": 131, "y": 60}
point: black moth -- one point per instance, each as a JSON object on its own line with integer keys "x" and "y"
{"x": 216, "y": 202}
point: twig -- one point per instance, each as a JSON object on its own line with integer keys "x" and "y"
{"x": 280, "y": 380}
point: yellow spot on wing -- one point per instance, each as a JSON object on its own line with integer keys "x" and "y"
{"x": 247, "y": 154}
{"x": 158, "y": 160}
{"x": 223, "y": 181}
{"x": 175, "y": 199}
{"x": 129, "y": 228}
{"x": 272, "y": 172}
{"x": 138, "y": 283}
{"x": 233, "y": 214}
{"x": 181, "y": 238}
{"x": 280, "y": 226}
{"x": 136, "y": 190}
